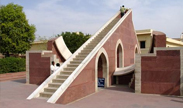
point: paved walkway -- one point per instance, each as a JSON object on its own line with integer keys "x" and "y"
{"x": 13, "y": 94}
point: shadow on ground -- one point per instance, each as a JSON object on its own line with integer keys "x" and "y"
{"x": 122, "y": 88}
{"x": 20, "y": 81}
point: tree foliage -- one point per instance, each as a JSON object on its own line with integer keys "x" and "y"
{"x": 15, "y": 32}
{"x": 74, "y": 40}
{"x": 12, "y": 64}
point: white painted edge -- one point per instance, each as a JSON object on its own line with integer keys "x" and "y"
{"x": 76, "y": 72}
{"x": 124, "y": 70}
{"x": 62, "y": 48}
{"x": 102, "y": 50}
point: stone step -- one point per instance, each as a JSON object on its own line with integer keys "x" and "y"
{"x": 66, "y": 72}
{"x": 44, "y": 98}
{"x": 54, "y": 84}
{"x": 90, "y": 46}
{"x": 83, "y": 53}
{"x": 50, "y": 89}
{"x": 69, "y": 69}
{"x": 75, "y": 61}
{"x": 94, "y": 43}
{"x": 72, "y": 65}
{"x": 58, "y": 80}
{"x": 78, "y": 58}
{"x": 62, "y": 76}
{"x": 46, "y": 94}
{"x": 86, "y": 51}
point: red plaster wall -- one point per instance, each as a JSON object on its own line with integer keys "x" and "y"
{"x": 39, "y": 68}
{"x": 84, "y": 84}
{"x": 161, "y": 74}
{"x": 159, "y": 39}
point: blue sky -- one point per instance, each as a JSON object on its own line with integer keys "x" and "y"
{"x": 52, "y": 17}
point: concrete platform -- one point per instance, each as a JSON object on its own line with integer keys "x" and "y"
{"x": 13, "y": 94}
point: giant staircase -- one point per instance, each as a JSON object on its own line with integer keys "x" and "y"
{"x": 60, "y": 80}
{"x": 74, "y": 63}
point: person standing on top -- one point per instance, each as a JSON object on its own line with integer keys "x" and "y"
{"x": 123, "y": 10}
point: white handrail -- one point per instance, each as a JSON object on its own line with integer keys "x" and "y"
{"x": 76, "y": 72}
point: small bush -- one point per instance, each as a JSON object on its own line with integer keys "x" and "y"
{"x": 12, "y": 64}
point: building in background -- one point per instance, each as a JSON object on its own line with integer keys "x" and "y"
{"x": 146, "y": 38}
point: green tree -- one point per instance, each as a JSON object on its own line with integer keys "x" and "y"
{"x": 15, "y": 32}
{"x": 74, "y": 40}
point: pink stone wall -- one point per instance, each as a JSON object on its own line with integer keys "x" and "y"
{"x": 161, "y": 74}
{"x": 39, "y": 68}
{"x": 159, "y": 40}
{"x": 84, "y": 84}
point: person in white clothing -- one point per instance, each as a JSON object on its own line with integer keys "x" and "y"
{"x": 52, "y": 67}
{"x": 57, "y": 66}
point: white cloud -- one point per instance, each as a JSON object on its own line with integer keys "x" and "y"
{"x": 54, "y": 16}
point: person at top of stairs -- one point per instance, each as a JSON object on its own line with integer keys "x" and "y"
{"x": 122, "y": 10}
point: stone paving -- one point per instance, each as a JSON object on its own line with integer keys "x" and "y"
{"x": 13, "y": 94}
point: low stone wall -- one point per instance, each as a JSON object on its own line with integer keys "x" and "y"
{"x": 37, "y": 67}
{"x": 160, "y": 73}
{"x": 12, "y": 76}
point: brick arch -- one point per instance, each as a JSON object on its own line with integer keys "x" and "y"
{"x": 121, "y": 58}
{"x": 104, "y": 56}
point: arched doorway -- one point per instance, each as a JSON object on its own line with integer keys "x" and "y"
{"x": 119, "y": 56}
{"x": 101, "y": 67}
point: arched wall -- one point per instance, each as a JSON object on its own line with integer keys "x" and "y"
{"x": 122, "y": 56}
{"x": 106, "y": 73}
